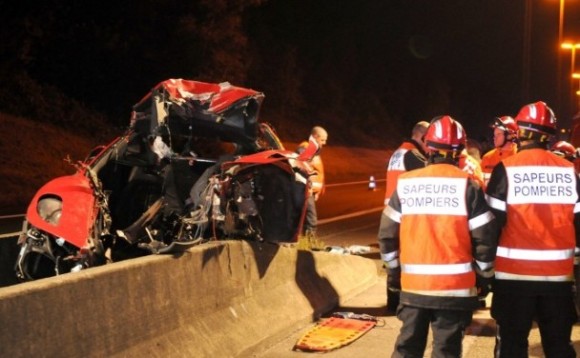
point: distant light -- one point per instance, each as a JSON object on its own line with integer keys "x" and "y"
{"x": 562, "y": 131}
{"x": 568, "y": 46}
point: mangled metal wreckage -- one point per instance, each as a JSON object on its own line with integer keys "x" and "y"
{"x": 195, "y": 164}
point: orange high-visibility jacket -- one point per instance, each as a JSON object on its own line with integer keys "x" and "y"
{"x": 317, "y": 180}
{"x": 535, "y": 195}
{"x": 308, "y": 149}
{"x": 492, "y": 158}
{"x": 438, "y": 216}
{"x": 407, "y": 157}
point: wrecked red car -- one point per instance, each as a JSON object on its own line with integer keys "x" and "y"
{"x": 195, "y": 164}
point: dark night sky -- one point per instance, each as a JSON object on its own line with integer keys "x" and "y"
{"x": 411, "y": 59}
{"x": 477, "y": 46}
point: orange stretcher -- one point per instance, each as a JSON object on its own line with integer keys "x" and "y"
{"x": 333, "y": 333}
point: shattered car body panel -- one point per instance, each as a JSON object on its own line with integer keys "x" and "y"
{"x": 222, "y": 110}
{"x": 195, "y": 164}
{"x": 67, "y": 220}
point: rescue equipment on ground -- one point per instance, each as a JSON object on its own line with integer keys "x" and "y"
{"x": 337, "y": 331}
{"x": 351, "y": 250}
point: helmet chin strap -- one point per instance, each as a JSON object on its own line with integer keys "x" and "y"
{"x": 438, "y": 156}
{"x": 508, "y": 138}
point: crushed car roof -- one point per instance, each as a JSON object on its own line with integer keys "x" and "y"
{"x": 208, "y": 109}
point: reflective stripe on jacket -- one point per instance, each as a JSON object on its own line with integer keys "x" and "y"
{"x": 407, "y": 157}
{"x": 535, "y": 193}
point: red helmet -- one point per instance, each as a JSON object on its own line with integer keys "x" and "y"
{"x": 507, "y": 124}
{"x": 445, "y": 134}
{"x": 564, "y": 149}
{"x": 538, "y": 118}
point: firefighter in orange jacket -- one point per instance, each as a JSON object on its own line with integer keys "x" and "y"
{"x": 505, "y": 135}
{"x": 534, "y": 196}
{"x": 438, "y": 235}
{"x": 410, "y": 155}
{"x": 309, "y": 151}
{"x": 565, "y": 150}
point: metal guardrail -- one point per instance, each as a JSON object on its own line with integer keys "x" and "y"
{"x": 11, "y": 216}
{"x": 353, "y": 183}
{"x": 8, "y": 217}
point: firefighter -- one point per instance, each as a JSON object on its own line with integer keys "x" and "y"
{"x": 505, "y": 135}
{"x": 565, "y": 150}
{"x": 309, "y": 151}
{"x": 410, "y": 155}
{"x": 534, "y": 196}
{"x": 438, "y": 239}
{"x": 473, "y": 148}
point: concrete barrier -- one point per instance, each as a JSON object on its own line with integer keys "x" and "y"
{"x": 226, "y": 299}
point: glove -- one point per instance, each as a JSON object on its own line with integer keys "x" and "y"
{"x": 484, "y": 285}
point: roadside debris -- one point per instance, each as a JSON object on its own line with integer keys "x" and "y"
{"x": 350, "y": 250}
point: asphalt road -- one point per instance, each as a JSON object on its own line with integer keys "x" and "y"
{"x": 348, "y": 199}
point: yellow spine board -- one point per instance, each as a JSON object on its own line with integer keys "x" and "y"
{"x": 333, "y": 333}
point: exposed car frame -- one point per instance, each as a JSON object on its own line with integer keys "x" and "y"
{"x": 195, "y": 164}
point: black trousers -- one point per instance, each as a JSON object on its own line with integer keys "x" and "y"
{"x": 393, "y": 294}
{"x": 448, "y": 328}
{"x": 514, "y": 314}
